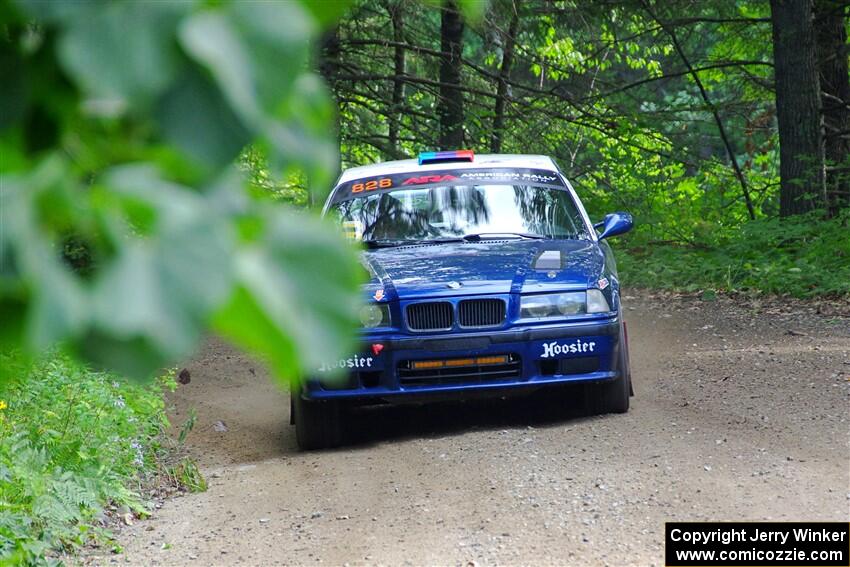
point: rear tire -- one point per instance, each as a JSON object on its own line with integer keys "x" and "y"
{"x": 318, "y": 424}
{"x": 612, "y": 396}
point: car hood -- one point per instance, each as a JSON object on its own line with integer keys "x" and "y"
{"x": 470, "y": 268}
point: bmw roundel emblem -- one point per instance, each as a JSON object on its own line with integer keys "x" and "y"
{"x": 454, "y": 285}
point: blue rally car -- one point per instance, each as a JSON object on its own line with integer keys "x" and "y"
{"x": 487, "y": 277}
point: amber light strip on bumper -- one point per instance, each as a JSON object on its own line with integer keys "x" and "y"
{"x": 458, "y": 362}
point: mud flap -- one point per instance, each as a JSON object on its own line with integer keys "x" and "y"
{"x": 628, "y": 359}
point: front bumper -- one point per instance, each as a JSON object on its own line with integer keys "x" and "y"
{"x": 537, "y": 356}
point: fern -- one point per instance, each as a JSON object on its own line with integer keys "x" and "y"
{"x": 50, "y": 510}
{"x": 66, "y": 450}
{"x": 73, "y": 493}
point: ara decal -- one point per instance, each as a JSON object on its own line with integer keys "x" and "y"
{"x": 603, "y": 283}
{"x": 423, "y": 179}
{"x": 379, "y": 294}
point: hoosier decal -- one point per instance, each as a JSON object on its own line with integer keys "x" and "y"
{"x": 350, "y": 362}
{"x": 555, "y": 348}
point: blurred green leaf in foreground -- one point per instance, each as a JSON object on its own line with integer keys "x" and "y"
{"x": 120, "y": 126}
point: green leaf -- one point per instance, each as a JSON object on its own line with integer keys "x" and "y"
{"x": 14, "y": 295}
{"x": 135, "y": 317}
{"x": 472, "y": 10}
{"x": 278, "y": 37}
{"x": 294, "y": 317}
{"x": 151, "y": 303}
{"x": 14, "y": 94}
{"x": 30, "y": 266}
{"x": 303, "y": 137}
{"x": 58, "y": 308}
{"x": 328, "y": 11}
{"x": 194, "y": 117}
{"x": 121, "y": 53}
{"x": 13, "y": 309}
{"x": 57, "y": 11}
{"x": 253, "y": 50}
{"x": 257, "y": 54}
{"x": 210, "y": 38}
{"x": 246, "y": 320}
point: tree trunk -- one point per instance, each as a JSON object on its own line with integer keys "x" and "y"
{"x": 508, "y": 43}
{"x": 450, "y": 105}
{"x": 801, "y": 150}
{"x": 832, "y": 55}
{"x": 328, "y": 65}
{"x": 397, "y": 19}
{"x": 329, "y": 54}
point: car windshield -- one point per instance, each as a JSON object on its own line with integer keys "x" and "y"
{"x": 461, "y": 211}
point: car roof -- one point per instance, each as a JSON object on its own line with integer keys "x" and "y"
{"x": 480, "y": 161}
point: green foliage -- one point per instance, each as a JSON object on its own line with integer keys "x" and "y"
{"x": 71, "y": 442}
{"x": 616, "y": 104}
{"x": 187, "y": 426}
{"x": 802, "y": 256}
{"x": 472, "y": 10}
{"x": 125, "y": 227}
{"x": 291, "y": 189}
{"x": 186, "y": 474}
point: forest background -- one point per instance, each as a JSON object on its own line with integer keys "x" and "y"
{"x": 674, "y": 111}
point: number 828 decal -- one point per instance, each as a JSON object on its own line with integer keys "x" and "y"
{"x": 372, "y": 185}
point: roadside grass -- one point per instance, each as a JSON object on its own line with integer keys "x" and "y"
{"x": 73, "y": 442}
{"x": 802, "y": 257}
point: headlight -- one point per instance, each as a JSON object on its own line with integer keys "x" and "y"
{"x": 563, "y": 304}
{"x": 596, "y": 302}
{"x": 570, "y": 303}
{"x": 552, "y": 305}
{"x": 536, "y": 306}
{"x": 373, "y": 315}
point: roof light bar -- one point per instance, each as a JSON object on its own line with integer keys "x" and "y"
{"x": 446, "y": 156}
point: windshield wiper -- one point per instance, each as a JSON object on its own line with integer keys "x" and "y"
{"x": 407, "y": 242}
{"x": 477, "y": 237}
{"x": 481, "y": 235}
{"x": 385, "y": 243}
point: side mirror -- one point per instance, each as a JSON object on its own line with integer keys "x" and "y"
{"x": 614, "y": 224}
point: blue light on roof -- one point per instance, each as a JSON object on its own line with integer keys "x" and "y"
{"x": 446, "y": 156}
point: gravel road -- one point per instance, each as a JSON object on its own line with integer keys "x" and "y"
{"x": 741, "y": 414}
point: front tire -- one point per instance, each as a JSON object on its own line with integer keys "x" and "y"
{"x": 612, "y": 396}
{"x": 318, "y": 424}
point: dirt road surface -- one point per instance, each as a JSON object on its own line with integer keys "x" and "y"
{"x": 741, "y": 414}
